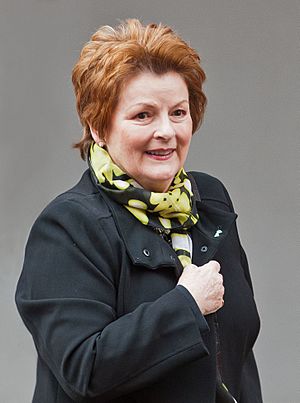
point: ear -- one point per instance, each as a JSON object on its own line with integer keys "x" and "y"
{"x": 96, "y": 137}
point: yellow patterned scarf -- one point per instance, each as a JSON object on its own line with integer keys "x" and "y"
{"x": 171, "y": 214}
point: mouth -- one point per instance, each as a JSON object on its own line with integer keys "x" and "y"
{"x": 161, "y": 154}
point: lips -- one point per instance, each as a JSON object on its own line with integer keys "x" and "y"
{"x": 161, "y": 152}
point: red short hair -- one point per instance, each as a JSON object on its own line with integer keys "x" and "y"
{"x": 113, "y": 55}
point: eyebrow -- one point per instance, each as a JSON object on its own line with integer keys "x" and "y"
{"x": 153, "y": 104}
{"x": 181, "y": 102}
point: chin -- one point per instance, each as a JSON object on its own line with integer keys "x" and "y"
{"x": 164, "y": 173}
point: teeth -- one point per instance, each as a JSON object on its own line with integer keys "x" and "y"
{"x": 159, "y": 152}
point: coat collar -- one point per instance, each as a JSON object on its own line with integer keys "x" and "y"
{"x": 210, "y": 231}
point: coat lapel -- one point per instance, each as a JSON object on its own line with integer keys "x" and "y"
{"x": 210, "y": 231}
{"x": 144, "y": 246}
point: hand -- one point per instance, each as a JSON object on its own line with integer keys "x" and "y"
{"x": 205, "y": 283}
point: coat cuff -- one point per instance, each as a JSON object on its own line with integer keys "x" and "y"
{"x": 203, "y": 326}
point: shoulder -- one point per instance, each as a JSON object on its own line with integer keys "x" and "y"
{"x": 72, "y": 235}
{"x": 77, "y": 213}
{"x": 83, "y": 199}
{"x": 211, "y": 188}
{"x": 77, "y": 220}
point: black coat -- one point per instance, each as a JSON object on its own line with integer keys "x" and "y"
{"x": 98, "y": 294}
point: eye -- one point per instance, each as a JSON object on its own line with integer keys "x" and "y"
{"x": 179, "y": 113}
{"x": 142, "y": 116}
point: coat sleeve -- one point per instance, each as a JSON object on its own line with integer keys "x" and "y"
{"x": 67, "y": 297}
{"x": 244, "y": 260}
{"x": 250, "y": 383}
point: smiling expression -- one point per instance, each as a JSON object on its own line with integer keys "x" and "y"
{"x": 151, "y": 129}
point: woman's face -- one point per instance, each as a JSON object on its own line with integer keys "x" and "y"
{"x": 151, "y": 129}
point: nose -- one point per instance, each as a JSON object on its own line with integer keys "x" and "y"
{"x": 164, "y": 129}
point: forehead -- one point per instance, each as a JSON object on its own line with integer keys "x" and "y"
{"x": 150, "y": 87}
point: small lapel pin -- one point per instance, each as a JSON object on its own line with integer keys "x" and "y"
{"x": 218, "y": 233}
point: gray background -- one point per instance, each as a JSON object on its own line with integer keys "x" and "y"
{"x": 249, "y": 139}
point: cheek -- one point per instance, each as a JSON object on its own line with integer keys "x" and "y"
{"x": 186, "y": 137}
{"x": 133, "y": 152}
{"x": 137, "y": 143}
{"x": 185, "y": 146}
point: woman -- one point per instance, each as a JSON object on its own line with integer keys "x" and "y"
{"x": 135, "y": 287}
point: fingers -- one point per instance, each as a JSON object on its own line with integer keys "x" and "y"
{"x": 205, "y": 283}
{"x": 191, "y": 266}
{"x": 218, "y": 304}
{"x": 214, "y": 265}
